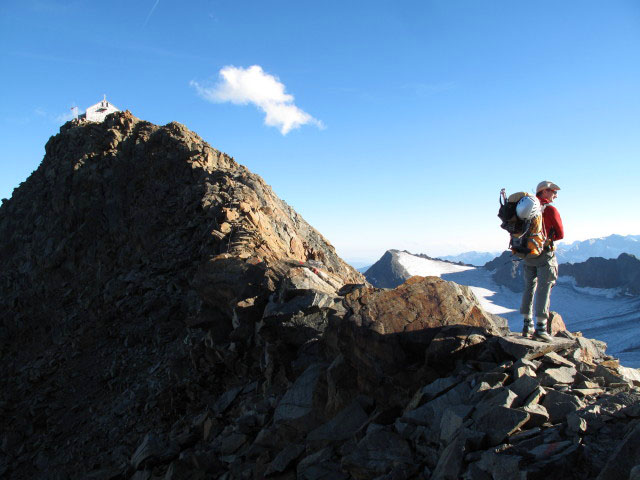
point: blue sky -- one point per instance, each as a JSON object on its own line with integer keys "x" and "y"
{"x": 412, "y": 115}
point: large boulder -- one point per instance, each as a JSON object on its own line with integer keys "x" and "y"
{"x": 384, "y": 331}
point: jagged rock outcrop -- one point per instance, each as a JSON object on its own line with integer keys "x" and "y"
{"x": 166, "y": 316}
{"x": 622, "y": 273}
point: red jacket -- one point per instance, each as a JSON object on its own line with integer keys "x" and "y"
{"x": 551, "y": 221}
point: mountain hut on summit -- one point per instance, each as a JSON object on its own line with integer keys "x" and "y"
{"x": 97, "y": 112}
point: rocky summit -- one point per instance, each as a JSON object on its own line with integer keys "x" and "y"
{"x": 166, "y": 316}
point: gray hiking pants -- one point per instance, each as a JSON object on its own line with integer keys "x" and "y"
{"x": 540, "y": 274}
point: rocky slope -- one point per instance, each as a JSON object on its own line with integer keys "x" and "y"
{"x": 168, "y": 317}
{"x": 125, "y": 237}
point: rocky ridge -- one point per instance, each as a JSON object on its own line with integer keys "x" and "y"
{"x": 622, "y": 273}
{"x": 168, "y": 317}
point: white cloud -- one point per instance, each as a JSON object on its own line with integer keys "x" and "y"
{"x": 242, "y": 86}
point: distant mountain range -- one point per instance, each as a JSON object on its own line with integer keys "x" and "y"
{"x": 471, "y": 258}
{"x": 605, "y": 247}
{"x": 579, "y": 251}
{"x": 604, "y": 263}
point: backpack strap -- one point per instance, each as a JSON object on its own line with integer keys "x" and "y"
{"x": 548, "y": 241}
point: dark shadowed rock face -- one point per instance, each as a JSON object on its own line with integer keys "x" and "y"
{"x": 127, "y": 234}
{"x": 126, "y": 209}
{"x": 622, "y": 272}
{"x": 115, "y": 206}
{"x": 387, "y": 330}
{"x": 165, "y": 316}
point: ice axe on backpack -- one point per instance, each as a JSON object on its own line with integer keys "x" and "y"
{"x": 503, "y": 196}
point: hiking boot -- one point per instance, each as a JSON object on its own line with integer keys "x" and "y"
{"x": 528, "y": 331}
{"x": 543, "y": 337}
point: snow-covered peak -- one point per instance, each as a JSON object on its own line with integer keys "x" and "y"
{"x": 606, "y": 247}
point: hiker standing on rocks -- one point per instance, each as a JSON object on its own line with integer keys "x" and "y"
{"x": 540, "y": 273}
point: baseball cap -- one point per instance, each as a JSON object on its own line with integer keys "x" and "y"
{"x": 546, "y": 184}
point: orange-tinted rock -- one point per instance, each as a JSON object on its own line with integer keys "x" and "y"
{"x": 419, "y": 303}
{"x": 556, "y": 324}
